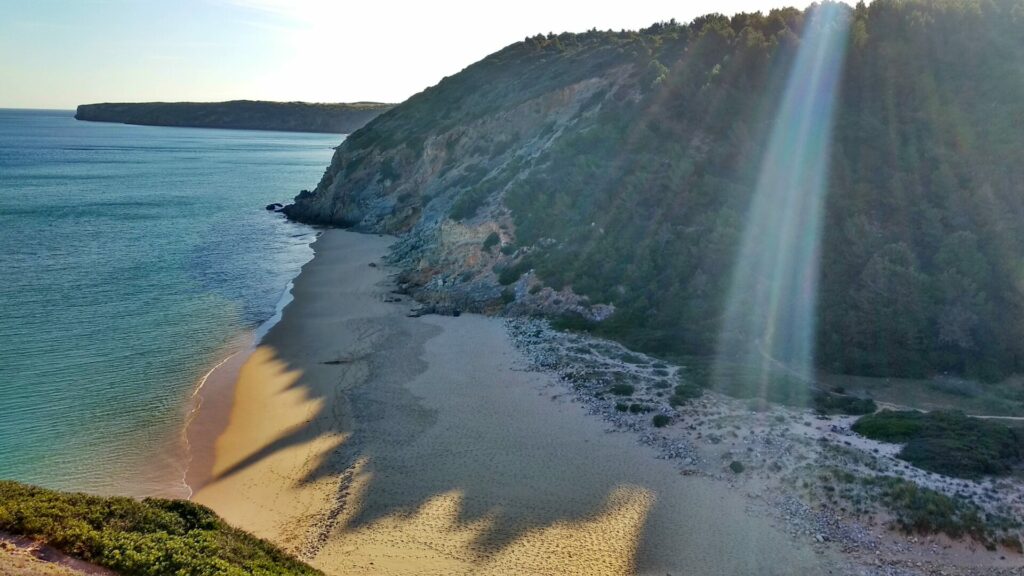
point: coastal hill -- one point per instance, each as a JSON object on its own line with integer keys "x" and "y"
{"x": 239, "y": 115}
{"x": 604, "y": 178}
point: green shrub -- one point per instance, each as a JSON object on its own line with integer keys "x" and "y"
{"x": 621, "y": 407}
{"x": 825, "y": 403}
{"x": 685, "y": 392}
{"x": 154, "y": 537}
{"x": 660, "y": 420}
{"x": 491, "y": 241}
{"x": 511, "y": 273}
{"x": 622, "y": 389}
{"x": 736, "y": 466}
{"x": 946, "y": 442}
{"x": 508, "y": 296}
{"x": 639, "y": 408}
{"x": 926, "y": 511}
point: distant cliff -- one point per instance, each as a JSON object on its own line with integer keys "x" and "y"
{"x": 239, "y": 115}
{"x": 608, "y": 175}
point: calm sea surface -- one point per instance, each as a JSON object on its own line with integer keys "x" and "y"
{"x": 131, "y": 259}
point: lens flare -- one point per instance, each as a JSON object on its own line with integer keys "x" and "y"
{"x": 766, "y": 346}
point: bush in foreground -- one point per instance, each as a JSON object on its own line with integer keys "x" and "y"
{"x": 154, "y": 537}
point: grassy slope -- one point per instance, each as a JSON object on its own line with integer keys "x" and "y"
{"x": 153, "y": 537}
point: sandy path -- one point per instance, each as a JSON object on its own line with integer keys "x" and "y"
{"x": 374, "y": 443}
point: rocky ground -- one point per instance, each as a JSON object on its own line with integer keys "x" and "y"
{"x": 808, "y": 472}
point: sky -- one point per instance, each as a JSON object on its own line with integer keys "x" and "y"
{"x": 61, "y": 53}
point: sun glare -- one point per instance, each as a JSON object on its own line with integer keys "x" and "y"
{"x": 769, "y": 325}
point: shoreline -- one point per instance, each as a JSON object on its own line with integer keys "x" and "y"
{"x": 365, "y": 440}
{"x": 349, "y": 387}
{"x": 208, "y": 409}
{"x": 209, "y": 406}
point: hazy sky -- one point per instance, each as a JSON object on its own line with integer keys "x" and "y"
{"x": 60, "y": 53}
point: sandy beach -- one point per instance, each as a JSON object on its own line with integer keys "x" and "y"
{"x": 370, "y": 442}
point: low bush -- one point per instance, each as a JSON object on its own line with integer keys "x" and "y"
{"x": 683, "y": 393}
{"x": 152, "y": 537}
{"x": 736, "y": 466}
{"x": 491, "y": 241}
{"x": 660, "y": 420}
{"x": 838, "y": 403}
{"x": 639, "y": 408}
{"x": 946, "y": 442}
{"x": 622, "y": 389}
{"x": 926, "y": 511}
{"x": 511, "y": 273}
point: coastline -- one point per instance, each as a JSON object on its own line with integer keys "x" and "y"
{"x": 207, "y": 414}
{"x": 209, "y": 406}
{"x": 365, "y": 440}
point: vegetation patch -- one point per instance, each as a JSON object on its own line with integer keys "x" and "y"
{"x": 834, "y": 403}
{"x": 491, "y": 241}
{"x": 946, "y": 442}
{"x": 152, "y": 537}
{"x": 622, "y": 389}
{"x": 925, "y": 511}
{"x": 660, "y": 420}
{"x": 683, "y": 393}
{"x": 509, "y": 274}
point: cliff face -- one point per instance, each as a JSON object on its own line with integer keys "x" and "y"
{"x": 239, "y": 115}
{"x": 435, "y": 171}
{"x": 608, "y": 176}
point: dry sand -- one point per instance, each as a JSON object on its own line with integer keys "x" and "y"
{"x": 369, "y": 442}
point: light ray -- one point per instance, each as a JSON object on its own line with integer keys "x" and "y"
{"x": 768, "y": 330}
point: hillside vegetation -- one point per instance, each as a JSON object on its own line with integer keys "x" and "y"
{"x": 153, "y": 537}
{"x": 239, "y": 115}
{"x": 617, "y": 169}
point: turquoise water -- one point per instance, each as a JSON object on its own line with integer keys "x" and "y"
{"x": 131, "y": 258}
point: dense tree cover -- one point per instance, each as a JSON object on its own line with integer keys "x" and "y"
{"x": 639, "y": 199}
{"x": 154, "y": 537}
{"x": 922, "y": 242}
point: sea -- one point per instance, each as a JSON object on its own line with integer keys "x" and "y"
{"x": 132, "y": 259}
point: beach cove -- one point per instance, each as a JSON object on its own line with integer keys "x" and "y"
{"x": 368, "y": 441}
{"x": 135, "y": 259}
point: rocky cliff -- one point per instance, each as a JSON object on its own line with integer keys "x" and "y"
{"x": 239, "y": 115}
{"x": 435, "y": 170}
{"x": 605, "y": 178}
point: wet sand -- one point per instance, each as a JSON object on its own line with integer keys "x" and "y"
{"x": 369, "y": 442}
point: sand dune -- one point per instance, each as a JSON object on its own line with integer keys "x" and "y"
{"x": 373, "y": 443}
